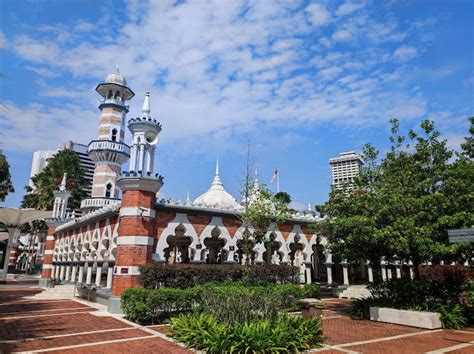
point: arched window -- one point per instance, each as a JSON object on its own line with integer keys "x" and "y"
{"x": 114, "y": 134}
{"x": 117, "y": 94}
{"x": 110, "y": 94}
{"x": 108, "y": 190}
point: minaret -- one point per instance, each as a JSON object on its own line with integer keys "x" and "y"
{"x": 108, "y": 151}
{"x": 139, "y": 186}
{"x": 61, "y": 197}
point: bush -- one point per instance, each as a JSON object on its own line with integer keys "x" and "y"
{"x": 450, "y": 274}
{"x": 284, "y": 334}
{"x": 422, "y": 295}
{"x": 158, "y": 275}
{"x": 145, "y": 305}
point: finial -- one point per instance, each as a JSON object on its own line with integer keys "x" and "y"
{"x": 146, "y": 105}
{"x": 309, "y": 207}
{"x": 117, "y": 68}
{"x": 217, "y": 167}
{"x": 62, "y": 188}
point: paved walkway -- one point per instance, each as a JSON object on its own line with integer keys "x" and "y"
{"x": 70, "y": 326}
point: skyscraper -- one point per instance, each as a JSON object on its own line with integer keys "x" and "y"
{"x": 345, "y": 167}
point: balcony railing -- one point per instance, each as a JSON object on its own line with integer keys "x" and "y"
{"x": 107, "y": 150}
{"x": 99, "y": 202}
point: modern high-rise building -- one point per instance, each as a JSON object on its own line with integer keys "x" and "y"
{"x": 345, "y": 167}
{"x": 42, "y": 157}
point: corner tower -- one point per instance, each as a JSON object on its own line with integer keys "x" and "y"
{"x": 109, "y": 151}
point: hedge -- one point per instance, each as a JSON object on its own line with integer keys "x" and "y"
{"x": 161, "y": 275}
{"x": 231, "y": 302}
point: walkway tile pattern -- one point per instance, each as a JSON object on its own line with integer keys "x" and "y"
{"x": 58, "y": 326}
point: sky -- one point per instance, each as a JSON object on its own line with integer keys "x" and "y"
{"x": 301, "y": 81}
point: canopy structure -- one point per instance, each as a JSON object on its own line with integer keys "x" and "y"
{"x": 13, "y": 218}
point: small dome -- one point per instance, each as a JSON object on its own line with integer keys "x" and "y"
{"x": 216, "y": 196}
{"x": 116, "y": 78}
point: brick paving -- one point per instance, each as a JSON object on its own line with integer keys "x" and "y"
{"x": 59, "y": 326}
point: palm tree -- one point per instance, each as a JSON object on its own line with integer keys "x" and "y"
{"x": 48, "y": 180}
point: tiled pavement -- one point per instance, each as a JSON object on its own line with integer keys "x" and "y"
{"x": 72, "y": 327}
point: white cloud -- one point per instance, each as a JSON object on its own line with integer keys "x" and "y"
{"x": 318, "y": 14}
{"x": 341, "y": 36}
{"x": 348, "y": 8}
{"x": 405, "y": 53}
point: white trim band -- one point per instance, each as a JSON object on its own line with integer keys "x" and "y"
{"x": 50, "y": 238}
{"x": 48, "y": 252}
{"x": 47, "y": 266}
{"x": 134, "y": 241}
{"x": 130, "y": 270}
{"x": 137, "y": 211}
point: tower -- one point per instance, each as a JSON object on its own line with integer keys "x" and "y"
{"x": 137, "y": 214}
{"x": 61, "y": 197}
{"x": 109, "y": 151}
{"x": 345, "y": 168}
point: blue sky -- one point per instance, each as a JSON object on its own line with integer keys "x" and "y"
{"x": 302, "y": 80}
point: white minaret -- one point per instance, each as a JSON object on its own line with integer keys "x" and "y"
{"x": 61, "y": 197}
{"x": 145, "y": 135}
{"x": 108, "y": 151}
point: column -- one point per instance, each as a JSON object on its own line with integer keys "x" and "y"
{"x": 389, "y": 272}
{"x": 308, "y": 273}
{"x": 80, "y": 278}
{"x": 89, "y": 274}
{"x": 52, "y": 268}
{"x": 412, "y": 271}
{"x": 398, "y": 270}
{"x": 141, "y": 158}
{"x": 68, "y": 272}
{"x": 383, "y": 265}
{"x": 58, "y": 269}
{"x": 329, "y": 264}
{"x": 345, "y": 273}
{"x": 98, "y": 275}
{"x": 110, "y": 275}
{"x": 74, "y": 273}
{"x": 61, "y": 274}
{"x": 48, "y": 269}
{"x": 133, "y": 157}
{"x": 370, "y": 272}
{"x": 136, "y": 229}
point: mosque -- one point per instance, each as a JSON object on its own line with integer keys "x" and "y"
{"x": 124, "y": 226}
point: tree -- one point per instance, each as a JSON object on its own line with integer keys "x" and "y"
{"x": 6, "y": 185}
{"x": 283, "y": 197}
{"x": 402, "y": 207}
{"x": 48, "y": 180}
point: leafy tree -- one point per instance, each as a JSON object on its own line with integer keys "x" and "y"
{"x": 6, "y": 185}
{"x": 283, "y": 197}
{"x": 401, "y": 207}
{"x": 48, "y": 180}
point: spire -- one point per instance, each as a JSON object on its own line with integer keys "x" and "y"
{"x": 146, "y": 105}
{"x": 256, "y": 175}
{"x": 187, "y": 202}
{"x": 309, "y": 207}
{"x": 217, "y": 178}
{"x": 62, "y": 188}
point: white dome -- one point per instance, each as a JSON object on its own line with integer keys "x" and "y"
{"x": 116, "y": 78}
{"x": 216, "y": 196}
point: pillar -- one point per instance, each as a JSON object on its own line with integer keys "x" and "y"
{"x": 389, "y": 272}
{"x": 345, "y": 273}
{"x": 136, "y": 230}
{"x": 89, "y": 274}
{"x": 12, "y": 259}
{"x": 383, "y": 265}
{"x": 80, "y": 278}
{"x": 61, "y": 274}
{"x": 74, "y": 273}
{"x": 110, "y": 274}
{"x": 68, "y": 272}
{"x": 98, "y": 275}
{"x": 48, "y": 270}
{"x": 412, "y": 271}
{"x": 398, "y": 270}
{"x": 308, "y": 273}
{"x": 370, "y": 272}
{"x": 58, "y": 269}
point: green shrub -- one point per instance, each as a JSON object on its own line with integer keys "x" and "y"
{"x": 158, "y": 275}
{"x": 451, "y": 316}
{"x": 145, "y": 305}
{"x": 284, "y": 334}
{"x": 360, "y": 308}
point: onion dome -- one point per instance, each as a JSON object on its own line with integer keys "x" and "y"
{"x": 116, "y": 78}
{"x": 216, "y": 196}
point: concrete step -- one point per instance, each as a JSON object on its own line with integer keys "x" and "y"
{"x": 58, "y": 292}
